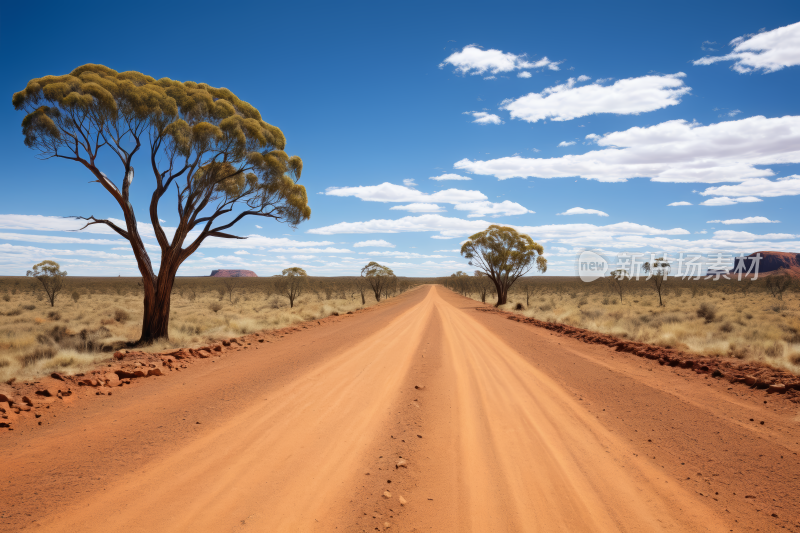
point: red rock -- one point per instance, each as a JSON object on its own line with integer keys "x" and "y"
{"x": 777, "y": 387}
{"x": 154, "y": 372}
{"x": 120, "y": 355}
{"x": 56, "y": 375}
{"x": 27, "y": 400}
{"x": 750, "y": 380}
{"x": 225, "y": 273}
{"x": 48, "y": 393}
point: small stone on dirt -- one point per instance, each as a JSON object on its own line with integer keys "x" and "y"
{"x": 387, "y": 494}
{"x": 402, "y": 500}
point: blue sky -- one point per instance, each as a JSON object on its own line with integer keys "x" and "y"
{"x": 577, "y": 123}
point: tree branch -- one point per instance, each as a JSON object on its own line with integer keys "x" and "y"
{"x": 92, "y": 220}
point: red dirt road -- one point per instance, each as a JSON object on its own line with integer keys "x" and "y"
{"x": 514, "y": 428}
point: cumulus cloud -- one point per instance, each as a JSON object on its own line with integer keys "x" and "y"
{"x": 409, "y": 182}
{"x": 768, "y": 51}
{"x": 675, "y": 151}
{"x": 451, "y": 227}
{"x": 450, "y": 177}
{"x": 747, "y": 220}
{"x": 583, "y": 77}
{"x": 582, "y": 211}
{"x": 625, "y": 97}
{"x": 483, "y": 118}
{"x": 58, "y": 239}
{"x": 788, "y": 186}
{"x": 304, "y": 257}
{"x": 724, "y": 200}
{"x": 564, "y": 144}
{"x": 377, "y": 243}
{"x": 476, "y": 61}
{"x": 524, "y": 74}
{"x": 389, "y": 192}
{"x": 486, "y": 208}
{"x": 675, "y": 204}
{"x": 402, "y": 255}
{"x": 418, "y": 208}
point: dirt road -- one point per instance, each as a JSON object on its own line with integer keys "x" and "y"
{"x": 478, "y": 423}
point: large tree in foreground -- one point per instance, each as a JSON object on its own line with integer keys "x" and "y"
{"x": 504, "y": 255}
{"x": 210, "y": 150}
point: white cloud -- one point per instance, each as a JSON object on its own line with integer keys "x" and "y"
{"x": 304, "y": 257}
{"x": 724, "y": 200}
{"x": 625, "y": 97}
{"x": 788, "y": 186}
{"x": 241, "y": 252}
{"x": 327, "y": 250}
{"x": 409, "y": 182}
{"x": 377, "y": 243}
{"x": 730, "y": 235}
{"x": 486, "y": 208}
{"x": 747, "y": 220}
{"x": 675, "y": 151}
{"x": 734, "y": 112}
{"x": 476, "y": 61}
{"x": 768, "y": 51}
{"x": 582, "y": 211}
{"x": 403, "y": 255}
{"x": 450, "y": 177}
{"x": 564, "y": 144}
{"x": 524, "y": 74}
{"x": 58, "y": 239}
{"x": 451, "y": 227}
{"x": 675, "y": 204}
{"x": 418, "y": 208}
{"x": 483, "y": 118}
{"x": 389, "y": 192}
{"x": 259, "y": 227}
{"x": 583, "y": 77}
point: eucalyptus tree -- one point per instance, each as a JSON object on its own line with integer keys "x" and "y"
{"x": 291, "y": 283}
{"x": 52, "y": 278}
{"x": 504, "y": 255}
{"x": 210, "y": 150}
{"x": 378, "y": 277}
{"x": 657, "y": 271}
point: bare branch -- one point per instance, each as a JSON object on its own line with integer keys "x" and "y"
{"x": 92, "y": 220}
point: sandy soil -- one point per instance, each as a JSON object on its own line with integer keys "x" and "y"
{"x": 421, "y": 414}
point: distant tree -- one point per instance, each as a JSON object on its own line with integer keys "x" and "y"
{"x": 212, "y": 148}
{"x": 230, "y": 285}
{"x": 616, "y": 281}
{"x": 482, "y": 284}
{"x": 362, "y": 285}
{"x": 378, "y": 277}
{"x": 504, "y": 255}
{"x": 777, "y": 283}
{"x": 51, "y": 277}
{"x": 76, "y": 296}
{"x": 291, "y": 283}
{"x": 462, "y": 282}
{"x": 658, "y": 271}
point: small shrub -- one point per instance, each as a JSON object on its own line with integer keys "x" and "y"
{"x": 40, "y": 353}
{"x": 795, "y": 359}
{"x": 14, "y": 312}
{"x": 76, "y": 296}
{"x": 748, "y": 316}
{"x": 727, "y": 327}
{"x": 216, "y": 306}
{"x": 29, "y": 307}
{"x": 54, "y": 315}
{"x": 774, "y": 350}
{"x": 582, "y": 301}
{"x": 6, "y": 297}
{"x": 707, "y": 312}
{"x": 121, "y": 316}
{"x": 606, "y": 301}
{"x": 519, "y": 307}
{"x": 546, "y": 307}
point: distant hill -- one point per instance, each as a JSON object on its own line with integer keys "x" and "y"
{"x": 233, "y": 274}
{"x": 774, "y": 261}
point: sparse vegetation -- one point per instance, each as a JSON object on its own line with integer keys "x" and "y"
{"x": 75, "y": 336}
{"x": 698, "y": 316}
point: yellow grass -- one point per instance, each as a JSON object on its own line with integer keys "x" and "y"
{"x": 756, "y": 327}
{"x": 75, "y": 336}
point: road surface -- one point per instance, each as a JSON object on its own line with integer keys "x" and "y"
{"x": 422, "y": 414}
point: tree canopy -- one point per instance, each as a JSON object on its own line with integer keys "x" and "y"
{"x": 212, "y": 149}
{"x": 51, "y": 277}
{"x": 378, "y": 277}
{"x": 504, "y": 255}
{"x": 291, "y": 283}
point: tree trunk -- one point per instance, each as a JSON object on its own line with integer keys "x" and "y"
{"x": 155, "y": 323}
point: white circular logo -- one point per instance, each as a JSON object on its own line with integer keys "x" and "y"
{"x": 591, "y": 266}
